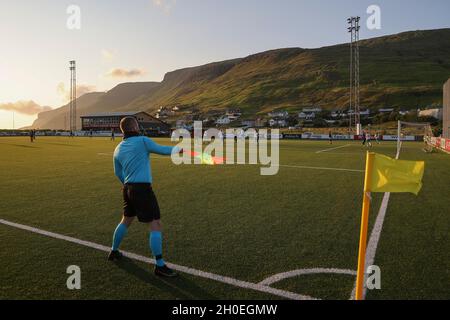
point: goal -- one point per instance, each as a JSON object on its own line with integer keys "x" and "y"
{"x": 414, "y": 129}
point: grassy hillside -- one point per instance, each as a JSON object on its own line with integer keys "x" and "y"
{"x": 405, "y": 70}
{"x": 122, "y": 95}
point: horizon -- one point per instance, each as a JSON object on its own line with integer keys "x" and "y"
{"x": 110, "y": 53}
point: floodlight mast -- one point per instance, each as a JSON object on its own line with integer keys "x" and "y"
{"x": 354, "y": 100}
{"x": 73, "y": 97}
{"x": 350, "y": 122}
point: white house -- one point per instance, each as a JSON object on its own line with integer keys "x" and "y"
{"x": 306, "y": 116}
{"x": 233, "y": 113}
{"x": 233, "y": 117}
{"x": 361, "y": 112}
{"x": 248, "y": 123}
{"x": 386, "y": 110}
{"x": 223, "y": 121}
{"x": 163, "y": 112}
{"x": 277, "y": 123}
{"x": 338, "y": 114}
{"x": 279, "y": 114}
{"x": 433, "y": 113}
{"x": 312, "y": 110}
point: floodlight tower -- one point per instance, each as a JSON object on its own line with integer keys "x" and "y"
{"x": 73, "y": 97}
{"x": 353, "y": 29}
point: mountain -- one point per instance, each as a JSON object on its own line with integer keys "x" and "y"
{"x": 59, "y": 119}
{"x": 405, "y": 70}
{"x": 121, "y": 95}
{"x": 93, "y": 102}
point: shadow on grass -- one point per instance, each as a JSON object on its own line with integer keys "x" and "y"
{"x": 61, "y": 144}
{"x": 180, "y": 287}
{"x": 21, "y": 145}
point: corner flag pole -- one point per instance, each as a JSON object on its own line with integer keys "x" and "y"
{"x": 364, "y": 225}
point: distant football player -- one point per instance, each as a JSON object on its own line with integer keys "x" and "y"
{"x": 377, "y": 137}
{"x": 366, "y": 139}
{"x": 132, "y": 168}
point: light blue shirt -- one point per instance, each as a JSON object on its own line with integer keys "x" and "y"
{"x": 131, "y": 159}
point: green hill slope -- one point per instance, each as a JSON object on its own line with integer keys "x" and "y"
{"x": 405, "y": 70}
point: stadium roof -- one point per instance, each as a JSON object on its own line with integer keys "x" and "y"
{"x": 112, "y": 114}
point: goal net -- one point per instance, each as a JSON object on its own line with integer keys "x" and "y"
{"x": 406, "y": 129}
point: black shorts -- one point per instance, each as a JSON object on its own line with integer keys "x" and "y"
{"x": 139, "y": 200}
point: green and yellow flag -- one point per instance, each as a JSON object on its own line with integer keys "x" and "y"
{"x": 390, "y": 175}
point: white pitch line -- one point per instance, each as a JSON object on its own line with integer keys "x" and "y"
{"x": 300, "y": 272}
{"x": 281, "y": 165}
{"x": 194, "y": 272}
{"x": 374, "y": 239}
{"x": 375, "y": 235}
{"x": 331, "y": 149}
{"x": 320, "y": 168}
{"x": 376, "y": 232}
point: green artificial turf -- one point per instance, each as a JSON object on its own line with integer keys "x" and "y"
{"x": 228, "y": 220}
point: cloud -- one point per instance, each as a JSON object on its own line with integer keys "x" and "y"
{"x": 165, "y": 5}
{"x": 25, "y": 107}
{"x": 124, "y": 73}
{"x": 65, "y": 92}
{"x": 107, "y": 55}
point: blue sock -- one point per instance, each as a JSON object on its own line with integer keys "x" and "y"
{"x": 119, "y": 233}
{"x": 155, "y": 240}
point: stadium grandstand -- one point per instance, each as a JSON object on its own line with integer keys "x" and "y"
{"x": 111, "y": 120}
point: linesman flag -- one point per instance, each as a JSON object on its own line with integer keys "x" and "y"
{"x": 384, "y": 174}
{"x": 207, "y": 158}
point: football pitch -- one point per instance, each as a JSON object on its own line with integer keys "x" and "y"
{"x": 232, "y": 233}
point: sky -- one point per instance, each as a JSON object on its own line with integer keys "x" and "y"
{"x": 140, "y": 40}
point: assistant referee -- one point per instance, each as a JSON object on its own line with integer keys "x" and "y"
{"x": 132, "y": 167}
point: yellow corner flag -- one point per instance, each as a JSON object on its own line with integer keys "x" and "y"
{"x": 390, "y": 175}
{"x": 384, "y": 174}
